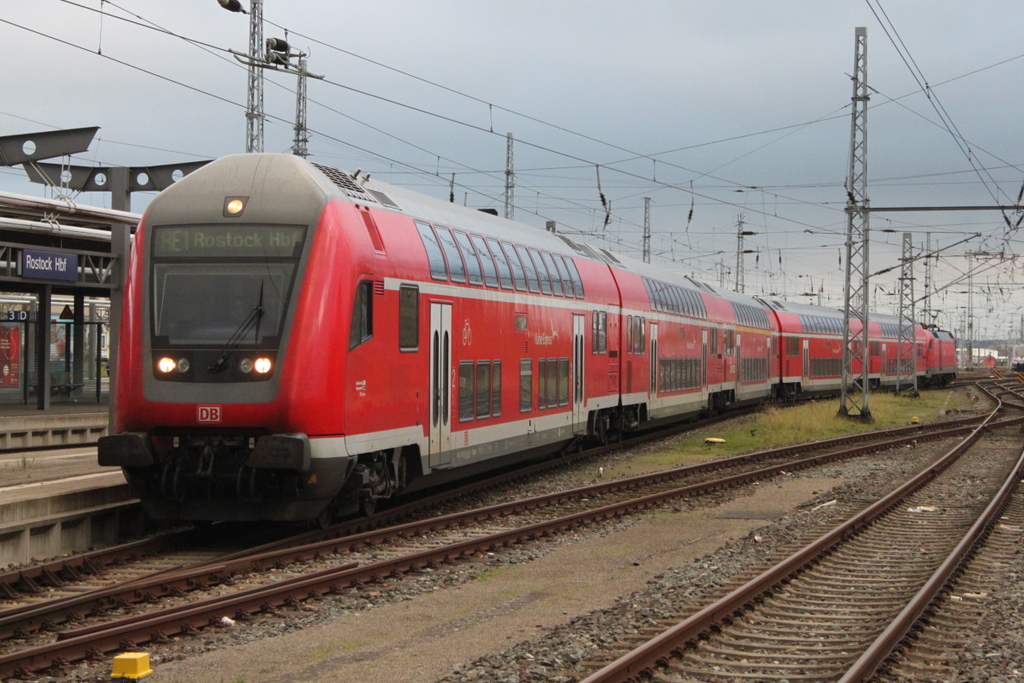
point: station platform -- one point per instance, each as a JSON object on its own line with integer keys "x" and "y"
{"x": 57, "y": 501}
{"x": 63, "y": 423}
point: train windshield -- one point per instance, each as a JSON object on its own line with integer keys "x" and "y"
{"x": 208, "y": 279}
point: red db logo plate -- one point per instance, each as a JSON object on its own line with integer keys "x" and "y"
{"x": 208, "y": 413}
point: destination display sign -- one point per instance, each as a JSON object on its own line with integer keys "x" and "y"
{"x": 49, "y": 265}
{"x": 219, "y": 241}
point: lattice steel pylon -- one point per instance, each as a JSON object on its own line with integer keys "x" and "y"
{"x": 740, "y": 280}
{"x": 510, "y": 181}
{"x": 254, "y": 108}
{"x": 855, "y": 393}
{"x": 906, "y": 364}
{"x": 300, "y": 146}
{"x": 647, "y": 229}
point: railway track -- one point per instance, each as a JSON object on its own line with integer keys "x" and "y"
{"x": 339, "y": 564}
{"x": 840, "y": 605}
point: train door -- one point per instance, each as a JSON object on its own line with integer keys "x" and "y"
{"x": 739, "y": 365}
{"x": 704, "y": 367}
{"x": 807, "y": 360}
{"x": 440, "y": 384}
{"x": 654, "y": 359}
{"x": 579, "y": 415}
{"x": 884, "y": 369}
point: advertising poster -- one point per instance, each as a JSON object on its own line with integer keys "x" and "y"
{"x": 10, "y": 356}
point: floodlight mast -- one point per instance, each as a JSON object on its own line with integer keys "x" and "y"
{"x": 277, "y": 56}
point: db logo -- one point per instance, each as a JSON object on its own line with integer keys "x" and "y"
{"x": 208, "y": 413}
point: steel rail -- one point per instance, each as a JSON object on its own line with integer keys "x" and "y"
{"x": 644, "y": 659}
{"x": 20, "y": 621}
{"x": 126, "y": 633}
{"x": 890, "y": 639}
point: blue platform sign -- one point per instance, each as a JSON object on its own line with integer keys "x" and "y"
{"x": 49, "y": 265}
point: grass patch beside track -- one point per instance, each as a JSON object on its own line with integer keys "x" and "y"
{"x": 773, "y": 427}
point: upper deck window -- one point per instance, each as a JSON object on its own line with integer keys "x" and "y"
{"x": 504, "y": 269}
{"x": 456, "y": 266}
{"x": 531, "y": 270}
{"x": 438, "y": 268}
{"x": 486, "y": 260}
{"x": 472, "y": 262}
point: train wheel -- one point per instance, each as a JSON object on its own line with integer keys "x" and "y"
{"x": 324, "y": 519}
{"x": 367, "y": 506}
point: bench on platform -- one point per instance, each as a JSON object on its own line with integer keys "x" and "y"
{"x": 62, "y": 383}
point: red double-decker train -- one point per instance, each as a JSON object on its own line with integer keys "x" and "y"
{"x": 299, "y": 342}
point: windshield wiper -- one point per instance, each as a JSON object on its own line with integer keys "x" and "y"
{"x": 251, "y": 321}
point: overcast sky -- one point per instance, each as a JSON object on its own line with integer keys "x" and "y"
{"x": 745, "y": 103}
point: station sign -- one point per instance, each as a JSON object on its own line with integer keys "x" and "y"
{"x": 49, "y": 265}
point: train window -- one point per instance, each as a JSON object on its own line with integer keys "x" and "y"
{"x": 574, "y": 275}
{"x": 659, "y": 300}
{"x": 408, "y": 318}
{"x": 650, "y": 294}
{"x": 713, "y": 336}
{"x": 517, "y": 266}
{"x": 465, "y": 391}
{"x": 483, "y": 389}
{"x": 469, "y": 253}
{"x": 525, "y": 385}
{"x": 531, "y": 271}
{"x": 792, "y": 346}
{"x": 563, "y": 273}
{"x": 563, "y": 381}
{"x": 521, "y": 321}
{"x": 362, "y": 315}
{"x": 682, "y": 302}
{"x": 487, "y": 261}
{"x": 438, "y": 269}
{"x": 504, "y": 269}
{"x": 638, "y": 335}
{"x": 542, "y": 271}
{"x": 599, "y": 332}
{"x": 496, "y": 388}
{"x": 551, "y": 390}
{"x": 730, "y": 342}
{"x": 456, "y": 266}
{"x": 629, "y": 334}
{"x": 542, "y": 374}
{"x": 556, "y": 279}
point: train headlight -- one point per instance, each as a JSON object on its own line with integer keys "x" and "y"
{"x": 166, "y": 365}
{"x": 234, "y": 206}
{"x": 245, "y": 365}
{"x": 263, "y": 365}
{"x": 183, "y": 365}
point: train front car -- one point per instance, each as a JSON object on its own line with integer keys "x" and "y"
{"x": 228, "y": 354}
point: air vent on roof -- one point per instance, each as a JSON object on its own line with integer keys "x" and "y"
{"x": 347, "y": 184}
{"x": 383, "y": 198}
{"x": 611, "y": 256}
{"x": 584, "y": 249}
{"x": 701, "y": 285}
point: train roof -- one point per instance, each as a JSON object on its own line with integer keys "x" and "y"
{"x": 356, "y": 188}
